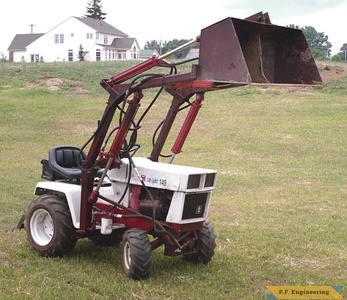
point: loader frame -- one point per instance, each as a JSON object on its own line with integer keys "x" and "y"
{"x": 244, "y": 52}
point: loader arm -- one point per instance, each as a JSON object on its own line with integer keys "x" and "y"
{"x": 232, "y": 53}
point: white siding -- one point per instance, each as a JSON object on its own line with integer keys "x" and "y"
{"x": 74, "y": 33}
{"x": 20, "y": 56}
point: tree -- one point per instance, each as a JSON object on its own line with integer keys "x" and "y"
{"x": 94, "y": 10}
{"x": 3, "y": 58}
{"x": 337, "y": 57}
{"x": 81, "y": 54}
{"x": 318, "y": 41}
{"x": 293, "y": 26}
{"x": 153, "y": 45}
{"x": 165, "y": 47}
{"x": 343, "y": 53}
{"x": 170, "y": 45}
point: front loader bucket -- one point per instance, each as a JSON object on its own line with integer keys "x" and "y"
{"x": 243, "y": 52}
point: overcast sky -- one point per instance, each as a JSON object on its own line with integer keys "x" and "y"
{"x": 166, "y": 20}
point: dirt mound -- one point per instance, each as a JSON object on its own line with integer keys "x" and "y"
{"x": 52, "y": 83}
{"x": 328, "y": 71}
{"x": 55, "y": 84}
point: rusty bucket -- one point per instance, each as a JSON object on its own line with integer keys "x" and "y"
{"x": 254, "y": 51}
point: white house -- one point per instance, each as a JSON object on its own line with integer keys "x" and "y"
{"x": 99, "y": 40}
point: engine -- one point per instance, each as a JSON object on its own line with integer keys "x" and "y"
{"x": 171, "y": 193}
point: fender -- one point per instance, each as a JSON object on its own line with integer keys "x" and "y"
{"x": 72, "y": 193}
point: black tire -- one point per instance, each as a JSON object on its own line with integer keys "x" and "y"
{"x": 207, "y": 244}
{"x": 109, "y": 240}
{"x": 136, "y": 254}
{"x": 49, "y": 226}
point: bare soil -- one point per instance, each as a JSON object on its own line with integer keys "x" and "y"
{"x": 328, "y": 72}
{"x": 55, "y": 84}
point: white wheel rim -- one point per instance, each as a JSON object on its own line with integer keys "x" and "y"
{"x": 41, "y": 227}
{"x": 127, "y": 256}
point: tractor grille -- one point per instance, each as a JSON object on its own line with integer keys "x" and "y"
{"x": 194, "y": 206}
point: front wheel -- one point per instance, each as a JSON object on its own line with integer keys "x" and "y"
{"x": 136, "y": 254}
{"x": 49, "y": 226}
{"x": 207, "y": 244}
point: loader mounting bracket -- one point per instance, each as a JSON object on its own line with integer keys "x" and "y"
{"x": 19, "y": 226}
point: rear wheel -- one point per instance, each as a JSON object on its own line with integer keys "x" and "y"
{"x": 207, "y": 244}
{"x": 136, "y": 254}
{"x": 49, "y": 227}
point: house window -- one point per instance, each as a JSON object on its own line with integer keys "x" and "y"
{"x": 59, "y": 39}
{"x": 97, "y": 35}
{"x": 34, "y": 58}
{"x": 98, "y": 55}
{"x": 70, "y": 55}
{"x": 122, "y": 55}
{"x": 89, "y": 36}
{"x": 105, "y": 39}
{"x": 134, "y": 53}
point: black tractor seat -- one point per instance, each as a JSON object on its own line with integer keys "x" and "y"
{"x": 64, "y": 164}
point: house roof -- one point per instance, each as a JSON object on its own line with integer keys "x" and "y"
{"x": 101, "y": 26}
{"x": 21, "y": 41}
{"x": 122, "y": 43}
{"x": 148, "y": 53}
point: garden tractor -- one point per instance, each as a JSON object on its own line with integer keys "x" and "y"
{"x": 110, "y": 196}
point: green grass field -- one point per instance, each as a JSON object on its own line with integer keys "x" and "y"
{"x": 279, "y": 209}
